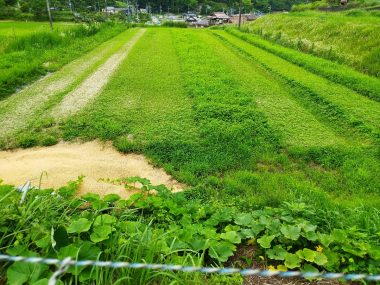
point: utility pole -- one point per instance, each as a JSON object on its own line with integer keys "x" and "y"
{"x": 240, "y": 4}
{"x": 49, "y": 13}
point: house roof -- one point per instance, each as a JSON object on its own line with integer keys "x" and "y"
{"x": 203, "y": 23}
{"x": 220, "y": 15}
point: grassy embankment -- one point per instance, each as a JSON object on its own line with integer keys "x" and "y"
{"x": 353, "y": 40}
{"x": 30, "y": 50}
{"x": 246, "y": 130}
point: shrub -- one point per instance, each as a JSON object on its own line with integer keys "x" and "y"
{"x": 174, "y": 24}
{"x": 48, "y": 140}
{"x": 27, "y": 140}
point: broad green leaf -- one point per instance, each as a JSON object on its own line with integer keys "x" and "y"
{"x": 230, "y": 228}
{"x": 354, "y": 250}
{"x": 320, "y": 258}
{"x": 100, "y": 233}
{"x": 325, "y": 239}
{"x": 247, "y": 233}
{"x": 265, "y": 241}
{"x": 308, "y": 227}
{"x": 199, "y": 244}
{"x": 309, "y": 268}
{"x": 290, "y": 232}
{"x": 333, "y": 260}
{"x": 111, "y": 198}
{"x": 79, "y": 226}
{"x": 266, "y": 221}
{"x": 276, "y": 253}
{"x": 375, "y": 252}
{"x": 221, "y": 251}
{"x": 281, "y": 267}
{"x": 45, "y": 281}
{"x": 19, "y": 273}
{"x": 292, "y": 260}
{"x": 244, "y": 219}
{"x": 274, "y": 227}
{"x": 308, "y": 254}
{"x": 99, "y": 205}
{"x": 339, "y": 236}
{"x": 312, "y": 236}
{"x": 231, "y": 237}
{"x": 257, "y": 228}
{"x": 68, "y": 251}
{"x": 43, "y": 242}
{"x": 91, "y": 197}
{"x": 104, "y": 220}
{"x": 84, "y": 251}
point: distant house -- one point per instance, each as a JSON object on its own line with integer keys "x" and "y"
{"x": 218, "y": 18}
{"x": 113, "y": 10}
{"x": 191, "y": 17}
{"x": 244, "y": 18}
{"x": 201, "y": 24}
{"x": 109, "y": 10}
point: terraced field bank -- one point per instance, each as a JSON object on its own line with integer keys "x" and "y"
{"x": 277, "y": 153}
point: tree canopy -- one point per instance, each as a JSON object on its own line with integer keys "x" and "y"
{"x": 38, "y": 7}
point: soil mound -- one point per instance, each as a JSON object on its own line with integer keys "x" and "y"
{"x": 64, "y": 162}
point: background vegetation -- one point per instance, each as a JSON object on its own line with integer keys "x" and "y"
{"x": 280, "y": 149}
{"x": 30, "y": 50}
{"x": 351, "y": 38}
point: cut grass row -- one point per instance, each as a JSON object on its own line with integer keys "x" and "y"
{"x": 297, "y": 125}
{"x": 363, "y": 84}
{"x": 31, "y": 106}
{"x": 335, "y": 101}
{"x": 28, "y": 57}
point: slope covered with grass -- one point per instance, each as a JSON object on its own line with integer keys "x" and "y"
{"x": 278, "y": 159}
{"x": 353, "y": 40}
{"x": 27, "y": 54}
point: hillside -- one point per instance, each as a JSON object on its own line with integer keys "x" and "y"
{"x": 351, "y": 37}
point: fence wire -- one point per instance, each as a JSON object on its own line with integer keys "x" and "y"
{"x": 65, "y": 264}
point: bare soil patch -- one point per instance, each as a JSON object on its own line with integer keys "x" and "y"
{"x": 64, "y": 162}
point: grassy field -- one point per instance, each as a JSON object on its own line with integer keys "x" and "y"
{"x": 277, "y": 156}
{"x": 30, "y": 50}
{"x": 345, "y": 38}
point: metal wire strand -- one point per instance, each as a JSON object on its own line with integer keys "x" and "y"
{"x": 65, "y": 264}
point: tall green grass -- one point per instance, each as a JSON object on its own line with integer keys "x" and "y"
{"x": 28, "y": 57}
{"x": 350, "y": 40}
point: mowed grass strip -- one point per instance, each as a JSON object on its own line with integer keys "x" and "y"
{"x": 358, "y": 111}
{"x": 31, "y": 104}
{"x": 170, "y": 101}
{"x": 338, "y": 73}
{"x": 144, "y": 102}
{"x": 93, "y": 85}
{"x": 297, "y": 125}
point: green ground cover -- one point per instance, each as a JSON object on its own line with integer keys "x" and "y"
{"x": 276, "y": 157}
{"x": 28, "y": 56}
{"x": 366, "y": 85}
{"x": 353, "y": 40}
{"x": 336, "y": 101}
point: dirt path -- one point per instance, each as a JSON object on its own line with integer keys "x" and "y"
{"x": 17, "y": 110}
{"x": 92, "y": 86}
{"x": 66, "y": 161}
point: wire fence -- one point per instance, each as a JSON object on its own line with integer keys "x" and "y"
{"x": 65, "y": 264}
